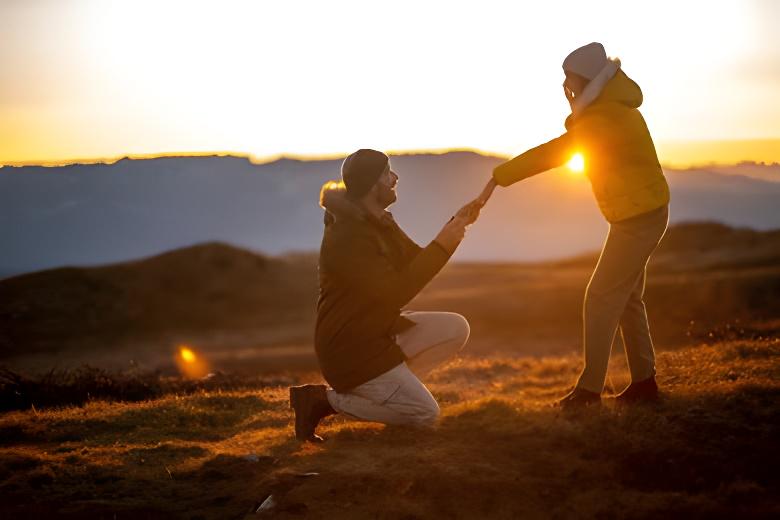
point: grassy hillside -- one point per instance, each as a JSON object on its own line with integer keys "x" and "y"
{"x": 206, "y": 287}
{"x": 709, "y": 450}
{"x": 249, "y": 312}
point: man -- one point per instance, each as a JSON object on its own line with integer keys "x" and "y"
{"x": 629, "y": 186}
{"x": 370, "y": 352}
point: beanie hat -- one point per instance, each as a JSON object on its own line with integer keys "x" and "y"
{"x": 361, "y": 170}
{"x": 587, "y": 61}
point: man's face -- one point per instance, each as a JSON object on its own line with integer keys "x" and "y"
{"x": 385, "y": 188}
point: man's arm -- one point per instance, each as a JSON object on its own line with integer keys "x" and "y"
{"x": 536, "y": 160}
{"x": 369, "y": 273}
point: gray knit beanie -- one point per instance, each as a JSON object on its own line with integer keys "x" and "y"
{"x": 587, "y": 61}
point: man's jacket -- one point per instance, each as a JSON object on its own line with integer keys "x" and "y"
{"x": 368, "y": 270}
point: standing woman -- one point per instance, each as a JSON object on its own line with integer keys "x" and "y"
{"x": 606, "y": 127}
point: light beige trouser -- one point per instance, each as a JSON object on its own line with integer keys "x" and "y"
{"x": 398, "y": 396}
{"x": 614, "y": 297}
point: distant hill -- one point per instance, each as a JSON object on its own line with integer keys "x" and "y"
{"x": 763, "y": 171}
{"x": 203, "y": 287}
{"x": 228, "y": 299}
{"x": 87, "y": 215}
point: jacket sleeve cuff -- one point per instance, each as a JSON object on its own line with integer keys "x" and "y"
{"x": 501, "y": 176}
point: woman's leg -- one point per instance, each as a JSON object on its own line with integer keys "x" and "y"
{"x": 635, "y": 331}
{"x": 620, "y": 269}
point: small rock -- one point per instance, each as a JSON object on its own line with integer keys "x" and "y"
{"x": 267, "y": 505}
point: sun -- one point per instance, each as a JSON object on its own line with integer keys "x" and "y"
{"x": 577, "y": 163}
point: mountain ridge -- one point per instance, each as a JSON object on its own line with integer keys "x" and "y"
{"x": 103, "y": 213}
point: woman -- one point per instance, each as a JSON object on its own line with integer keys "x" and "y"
{"x": 629, "y": 185}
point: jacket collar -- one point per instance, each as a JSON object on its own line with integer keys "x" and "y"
{"x": 595, "y": 86}
{"x": 337, "y": 206}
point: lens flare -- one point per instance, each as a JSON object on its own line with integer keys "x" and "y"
{"x": 187, "y": 355}
{"x": 190, "y": 364}
{"x": 577, "y": 163}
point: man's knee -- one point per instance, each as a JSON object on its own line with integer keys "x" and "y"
{"x": 428, "y": 415}
{"x": 459, "y": 329}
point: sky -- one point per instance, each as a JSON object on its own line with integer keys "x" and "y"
{"x": 102, "y": 79}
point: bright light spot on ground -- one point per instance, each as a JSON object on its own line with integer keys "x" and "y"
{"x": 576, "y": 163}
{"x": 187, "y": 354}
{"x": 190, "y": 364}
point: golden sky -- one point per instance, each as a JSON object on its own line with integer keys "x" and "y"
{"x": 88, "y": 79}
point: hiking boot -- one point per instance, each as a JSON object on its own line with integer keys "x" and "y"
{"x": 311, "y": 405}
{"x": 644, "y": 391}
{"x": 579, "y": 398}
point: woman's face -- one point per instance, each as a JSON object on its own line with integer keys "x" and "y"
{"x": 573, "y": 85}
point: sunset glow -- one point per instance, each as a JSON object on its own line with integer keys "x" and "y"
{"x": 94, "y": 79}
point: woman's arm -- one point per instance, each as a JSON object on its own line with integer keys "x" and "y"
{"x": 536, "y": 160}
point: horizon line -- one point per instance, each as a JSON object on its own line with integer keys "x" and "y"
{"x": 268, "y": 159}
{"x": 254, "y": 159}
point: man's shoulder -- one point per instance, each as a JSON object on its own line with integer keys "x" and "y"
{"x": 348, "y": 235}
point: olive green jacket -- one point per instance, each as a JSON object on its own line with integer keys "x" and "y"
{"x": 620, "y": 158}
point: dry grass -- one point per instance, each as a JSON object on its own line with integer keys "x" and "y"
{"x": 708, "y": 450}
{"x": 62, "y": 387}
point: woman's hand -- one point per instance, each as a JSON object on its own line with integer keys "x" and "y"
{"x": 487, "y": 191}
{"x": 569, "y": 94}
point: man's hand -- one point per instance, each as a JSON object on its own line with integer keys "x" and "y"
{"x": 470, "y": 212}
{"x": 452, "y": 233}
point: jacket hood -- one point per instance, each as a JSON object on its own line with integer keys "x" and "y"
{"x": 621, "y": 89}
{"x": 333, "y": 199}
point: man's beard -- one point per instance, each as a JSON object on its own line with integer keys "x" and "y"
{"x": 385, "y": 196}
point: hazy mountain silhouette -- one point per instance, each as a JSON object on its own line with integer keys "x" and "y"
{"x": 95, "y": 214}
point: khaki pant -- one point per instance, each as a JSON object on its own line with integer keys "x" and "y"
{"x": 398, "y": 396}
{"x": 614, "y": 298}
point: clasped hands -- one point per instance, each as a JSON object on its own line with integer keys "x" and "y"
{"x": 470, "y": 212}
{"x": 454, "y": 230}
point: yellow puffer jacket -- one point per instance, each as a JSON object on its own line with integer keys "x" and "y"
{"x": 620, "y": 158}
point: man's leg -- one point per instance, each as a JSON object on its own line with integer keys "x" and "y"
{"x": 398, "y": 396}
{"x": 436, "y": 337}
{"x": 395, "y": 397}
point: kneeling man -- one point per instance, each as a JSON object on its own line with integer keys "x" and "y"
{"x": 370, "y": 352}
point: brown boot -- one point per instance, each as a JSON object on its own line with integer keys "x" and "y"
{"x": 578, "y": 399}
{"x": 644, "y": 391}
{"x": 310, "y": 403}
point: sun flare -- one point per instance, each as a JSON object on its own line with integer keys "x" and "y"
{"x": 187, "y": 355}
{"x": 577, "y": 163}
